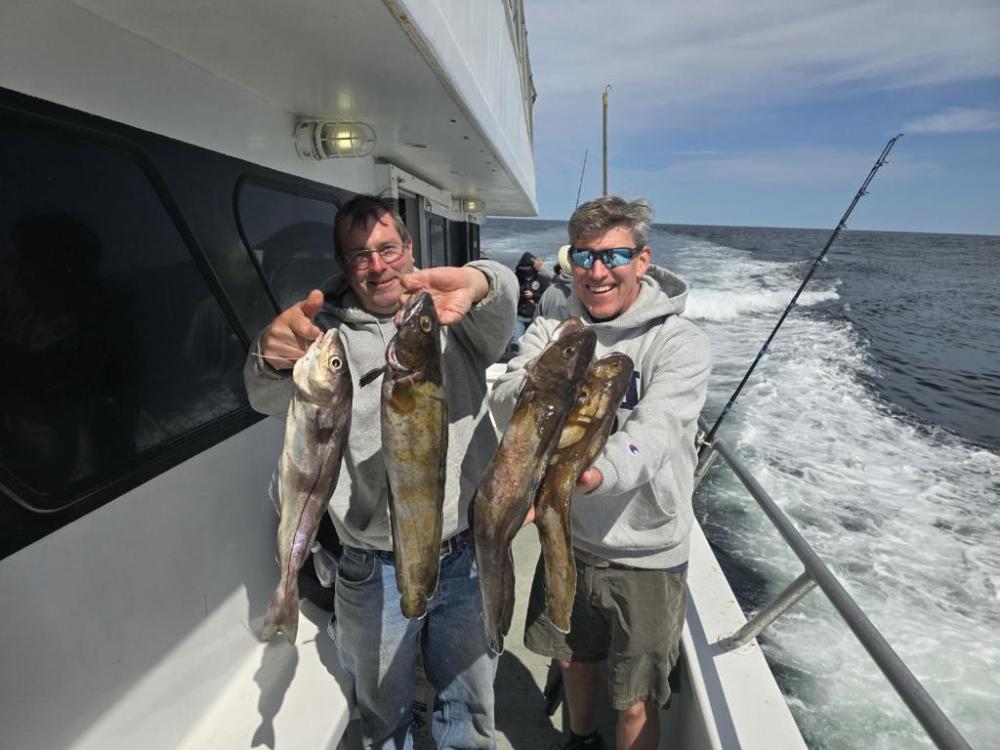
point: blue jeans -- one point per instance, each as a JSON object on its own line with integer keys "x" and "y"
{"x": 378, "y": 646}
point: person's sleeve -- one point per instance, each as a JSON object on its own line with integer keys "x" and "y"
{"x": 658, "y": 425}
{"x": 549, "y": 302}
{"x": 506, "y": 389}
{"x": 488, "y": 325}
{"x": 268, "y": 390}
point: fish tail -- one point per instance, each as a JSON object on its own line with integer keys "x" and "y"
{"x": 496, "y": 581}
{"x": 282, "y": 612}
{"x": 413, "y": 604}
{"x": 559, "y": 568}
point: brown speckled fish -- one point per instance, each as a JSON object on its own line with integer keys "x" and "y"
{"x": 415, "y": 446}
{"x": 509, "y": 483}
{"x": 316, "y": 430}
{"x": 583, "y": 436}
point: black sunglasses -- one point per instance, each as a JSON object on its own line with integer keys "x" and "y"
{"x": 612, "y": 258}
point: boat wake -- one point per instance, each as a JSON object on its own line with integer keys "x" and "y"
{"x": 902, "y": 511}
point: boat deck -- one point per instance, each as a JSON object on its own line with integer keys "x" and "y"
{"x": 521, "y": 718}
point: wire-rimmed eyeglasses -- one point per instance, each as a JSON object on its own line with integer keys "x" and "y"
{"x": 362, "y": 259}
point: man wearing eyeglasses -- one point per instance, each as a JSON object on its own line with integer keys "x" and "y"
{"x": 631, "y": 513}
{"x": 376, "y": 643}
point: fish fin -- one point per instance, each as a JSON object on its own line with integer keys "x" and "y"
{"x": 558, "y": 567}
{"x": 370, "y": 377}
{"x": 496, "y": 580}
{"x": 414, "y": 606}
{"x": 282, "y": 613}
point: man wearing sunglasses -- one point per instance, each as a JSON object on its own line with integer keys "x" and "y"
{"x": 376, "y": 643}
{"x": 631, "y": 514}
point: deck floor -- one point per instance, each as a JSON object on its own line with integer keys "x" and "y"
{"x": 521, "y": 719}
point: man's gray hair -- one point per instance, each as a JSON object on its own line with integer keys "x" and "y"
{"x": 610, "y": 211}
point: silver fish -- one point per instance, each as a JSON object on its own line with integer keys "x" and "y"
{"x": 316, "y": 430}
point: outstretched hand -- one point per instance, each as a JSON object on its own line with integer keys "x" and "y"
{"x": 589, "y": 481}
{"x": 453, "y": 290}
{"x": 290, "y": 334}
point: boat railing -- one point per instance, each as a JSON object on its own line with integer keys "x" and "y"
{"x": 924, "y": 708}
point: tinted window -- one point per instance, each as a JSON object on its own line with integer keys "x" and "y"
{"x": 291, "y": 237}
{"x": 474, "y": 252}
{"x": 438, "y": 240}
{"x": 114, "y": 346}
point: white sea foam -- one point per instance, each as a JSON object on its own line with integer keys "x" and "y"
{"x": 905, "y": 515}
{"x": 724, "y": 305}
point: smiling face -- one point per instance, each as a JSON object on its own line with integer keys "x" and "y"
{"x": 608, "y": 292}
{"x": 378, "y": 286}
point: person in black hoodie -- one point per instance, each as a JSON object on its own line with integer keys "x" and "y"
{"x": 532, "y": 280}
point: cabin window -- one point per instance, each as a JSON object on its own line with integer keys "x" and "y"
{"x": 473, "y": 233}
{"x": 115, "y": 348}
{"x": 290, "y": 234}
{"x": 438, "y": 239}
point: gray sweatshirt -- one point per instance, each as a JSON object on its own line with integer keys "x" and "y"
{"x": 359, "y": 505}
{"x": 641, "y": 513}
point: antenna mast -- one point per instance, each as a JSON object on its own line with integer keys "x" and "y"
{"x": 605, "y": 100}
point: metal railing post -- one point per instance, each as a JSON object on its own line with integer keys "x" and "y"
{"x": 785, "y": 600}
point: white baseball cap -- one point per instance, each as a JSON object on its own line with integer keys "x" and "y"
{"x": 563, "y": 256}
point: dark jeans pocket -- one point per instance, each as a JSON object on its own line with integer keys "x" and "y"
{"x": 356, "y": 566}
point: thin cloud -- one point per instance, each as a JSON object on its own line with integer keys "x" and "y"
{"x": 775, "y": 167}
{"x": 673, "y": 60}
{"x": 956, "y": 120}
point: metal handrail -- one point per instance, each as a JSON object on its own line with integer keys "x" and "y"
{"x": 924, "y": 708}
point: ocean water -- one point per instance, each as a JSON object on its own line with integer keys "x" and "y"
{"x": 874, "y": 422}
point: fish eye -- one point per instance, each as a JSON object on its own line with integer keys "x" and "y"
{"x": 425, "y": 324}
{"x": 336, "y": 362}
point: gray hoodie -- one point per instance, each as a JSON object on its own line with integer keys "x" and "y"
{"x": 359, "y": 505}
{"x": 641, "y": 514}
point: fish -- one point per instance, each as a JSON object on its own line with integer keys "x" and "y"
{"x": 414, "y": 415}
{"x": 508, "y": 485}
{"x": 316, "y": 430}
{"x": 582, "y": 439}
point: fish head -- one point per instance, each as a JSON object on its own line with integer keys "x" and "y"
{"x": 417, "y": 343}
{"x": 614, "y": 368}
{"x": 323, "y": 371}
{"x": 568, "y": 326}
{"x": 567, "y": 355}
{"x": 608, "y": 379}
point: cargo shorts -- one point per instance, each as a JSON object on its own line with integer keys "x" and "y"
{"x": 632, "y": 617}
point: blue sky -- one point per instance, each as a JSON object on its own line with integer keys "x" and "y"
{"x": 771, "y": 113}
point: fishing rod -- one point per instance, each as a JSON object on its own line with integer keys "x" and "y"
{"x": 862, "y": 191}
{"x": 582, "y": 172}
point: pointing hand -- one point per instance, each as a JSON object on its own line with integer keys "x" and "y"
{"x": 454, "y": 290}
{"x": 291, "y": 333}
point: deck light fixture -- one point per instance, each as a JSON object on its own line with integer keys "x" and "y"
{"x": 474, "y": 206}
{"x": 335, "y": 139}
